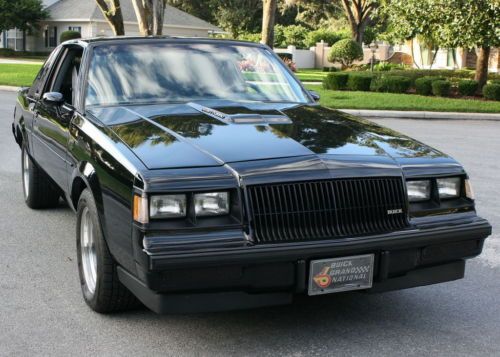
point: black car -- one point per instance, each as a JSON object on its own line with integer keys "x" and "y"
{"x": 205, "y": 177}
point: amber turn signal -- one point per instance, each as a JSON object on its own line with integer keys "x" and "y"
{"x": 140, "y": 209}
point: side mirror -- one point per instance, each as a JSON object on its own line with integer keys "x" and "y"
{"x": 53, "y": 98}
{"x": 314, "y": 95}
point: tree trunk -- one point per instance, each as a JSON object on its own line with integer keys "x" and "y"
{"x": 159, "y": 15}
{"x": 113, "y": 13}
{"x": 150, "y": 15}
{"x": 482, "y": 66}
{"x": 268, "y": 17}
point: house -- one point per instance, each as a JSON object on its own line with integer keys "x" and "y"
{"x": 86, "y": 17}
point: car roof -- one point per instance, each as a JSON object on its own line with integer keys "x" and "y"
{"x": 135, "y": 39}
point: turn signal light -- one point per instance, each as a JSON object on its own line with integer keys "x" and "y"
{"x": 141, "y": 209}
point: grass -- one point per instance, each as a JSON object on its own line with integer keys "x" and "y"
{"x": 311, "y": 75}
{"x": 389, "y": 101}
{"x": 19, "y": 75}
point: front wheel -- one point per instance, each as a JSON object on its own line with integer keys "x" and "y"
{"x": 39, "y": 191}
{"x": 101, "y": 289}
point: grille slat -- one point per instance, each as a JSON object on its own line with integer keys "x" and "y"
{"x": 326, "y": 209}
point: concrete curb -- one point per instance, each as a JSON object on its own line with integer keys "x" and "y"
{"x": 392, "y": 114}
{"x": 9, "y": 88}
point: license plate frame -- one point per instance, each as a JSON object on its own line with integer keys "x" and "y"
{"x": 327, "y": 276}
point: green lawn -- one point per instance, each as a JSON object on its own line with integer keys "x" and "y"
{"x": 389, "y": 101}
{"x": 19, "y": 75}
{"x": 311, "y": 75}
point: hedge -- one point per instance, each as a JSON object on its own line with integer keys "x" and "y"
{"x": 492, "y": 91}
{"x": 336, "y": 81}
{"x": 359, "y": 82}
{"x": 441, "y": 88}
{"x": 424, "y": 85}
{"x": 69, "y": 35}
{"x": 391, "y": 84}
{"x": 467, "y": 87}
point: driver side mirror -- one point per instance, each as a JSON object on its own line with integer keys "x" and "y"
{"x": 53, "y": 98}
{"x": 314, "y": 95}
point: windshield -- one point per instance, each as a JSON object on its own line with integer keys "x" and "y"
{"x": 185, "y": 72}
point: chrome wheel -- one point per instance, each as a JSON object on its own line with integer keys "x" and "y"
{"x": 88, "y": 250}
{"x": 26, "y": 173}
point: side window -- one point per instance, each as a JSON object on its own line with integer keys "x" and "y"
{"x": 36, "y": 88}
{"x": 65, "y": 78}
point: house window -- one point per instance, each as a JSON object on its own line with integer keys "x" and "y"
{"x": 51, "y": 36}
{"x": 75, "y": 28}
{"x": 15, "y": 40}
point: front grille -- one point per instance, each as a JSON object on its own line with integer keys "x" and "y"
{"x": 326, "y": 209}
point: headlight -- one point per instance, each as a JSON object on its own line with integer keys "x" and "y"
{"x": 211, "y": 204}
{"x": 449, "y": 187}
{"x": 419, "y": 190}
{"x": 167, "y": 206}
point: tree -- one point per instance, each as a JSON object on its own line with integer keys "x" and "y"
{"x": 472, "y": 24}
{"x": 359, "y": 13}
{"x": 150, "y": 15}
{"x": 268, "y": 20}
{"x": 410, "y": 19}
{"x": 237, "y": 16}
{"x": 449, "y": 24}
{"x": 21, "y": 14}
{"x": 113, "y": 14}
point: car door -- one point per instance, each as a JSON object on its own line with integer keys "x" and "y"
{"x": 34, "y": 93}
{"x": 51, "y": 120}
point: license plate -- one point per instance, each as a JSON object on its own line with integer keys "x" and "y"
{"x": 341, "y": 274}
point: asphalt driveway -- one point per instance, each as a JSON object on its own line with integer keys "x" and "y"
{"x": 42, "y": 312}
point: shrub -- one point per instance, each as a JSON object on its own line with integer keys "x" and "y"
{"x": 345, "y": 52}
{"x": 494, "y": 81}
{"x": 359, "y": 82}
{"x": 492, "y": 91}
{"x": 69, "y": 35}
{"x": 336, "y": 81}
{"x": 251, "y": 37}
{"x": 382, "y": 66}
{"x": 391, "y": 84}
{"x": 424, "y": 85}
{"x": 292, "y": 35}
{"x": 441, "y": 88}
{"x": 467, "y": 87}
{"x": 330, "y": 37}
{"x": 7, "y": 52}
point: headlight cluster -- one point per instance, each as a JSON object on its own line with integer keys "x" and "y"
{"x": 176, "y": 205}
{"x": 447, "y": 188}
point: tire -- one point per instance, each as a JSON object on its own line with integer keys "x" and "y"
{"x": 102, "y": 291}
{"x": 39, "y": 191}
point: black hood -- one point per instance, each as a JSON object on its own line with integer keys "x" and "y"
{"x": 186, "y": 135}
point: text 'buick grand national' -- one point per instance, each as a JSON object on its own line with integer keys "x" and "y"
{"x": 205, "y": 177}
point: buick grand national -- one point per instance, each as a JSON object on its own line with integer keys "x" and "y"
{"x": 204, "y": 176}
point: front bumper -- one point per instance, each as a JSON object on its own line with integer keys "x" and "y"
{"x": 244, "y": 277}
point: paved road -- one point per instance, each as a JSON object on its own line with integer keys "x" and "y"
{"x": 42, "y": 313}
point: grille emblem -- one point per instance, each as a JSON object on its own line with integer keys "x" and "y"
{"x": 395, "y": 211}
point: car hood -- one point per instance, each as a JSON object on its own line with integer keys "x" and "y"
{"x": 215, "y": 133}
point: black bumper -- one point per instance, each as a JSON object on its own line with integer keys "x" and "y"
{"x": 236, "y": 278}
